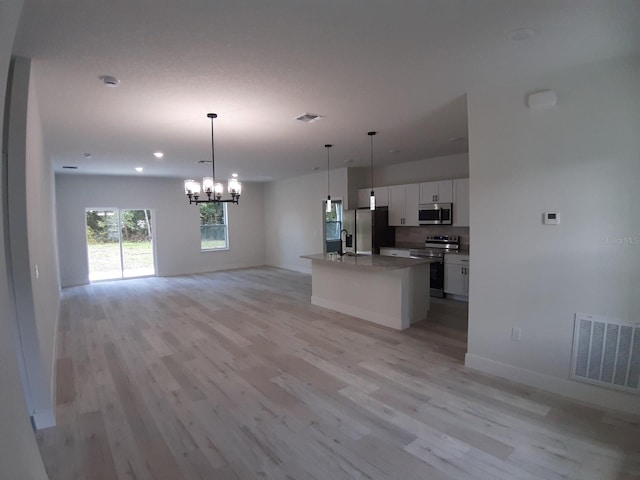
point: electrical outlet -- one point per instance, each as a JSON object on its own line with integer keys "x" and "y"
{"x": 516, "y": 334}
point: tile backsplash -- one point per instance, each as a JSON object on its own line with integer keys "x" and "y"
{"x": 414, "y": 236}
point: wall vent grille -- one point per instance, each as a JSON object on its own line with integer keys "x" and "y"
{"x": 606, "y": 353}
{"x": 308, "y": 117}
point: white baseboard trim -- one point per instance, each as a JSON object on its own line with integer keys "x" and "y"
{"x": 44, "y": 419}
{"x": 599, "y": 396}
{"x": 368, "y": 315}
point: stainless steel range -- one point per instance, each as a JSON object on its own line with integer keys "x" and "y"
{"x": 435, "y": 246}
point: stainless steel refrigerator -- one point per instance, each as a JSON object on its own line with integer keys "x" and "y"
{"x": 370, "y": 230}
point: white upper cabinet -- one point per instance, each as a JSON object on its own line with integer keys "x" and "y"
{"x": 461, "y": 202}
{"x": 381, "y": 193}
{"x": 412, "y": 200}
{"x": 403, "y": 205}
{"x": 440, "y": 192}
{"x": 396, "y": 205}
{"x": 403, "y": 200}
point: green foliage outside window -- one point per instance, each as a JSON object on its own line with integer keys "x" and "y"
{"x": 213, "y": 226}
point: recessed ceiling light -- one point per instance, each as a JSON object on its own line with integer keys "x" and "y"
{"x": 521, "y": 34}
{"x": 205, "y": 161}
{"x": 158, "y": 154}
{"x": 109, "y": 81}
{"x": 87, "y": 155}
{"x": 234, "y": 175}
{"x": 139, "y": 169}
{"x": 395, "y": 150}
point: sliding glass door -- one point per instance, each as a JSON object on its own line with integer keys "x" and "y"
{"x": 119, "y": 243}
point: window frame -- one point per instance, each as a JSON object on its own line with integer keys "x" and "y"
{"x": 226, "y": 229}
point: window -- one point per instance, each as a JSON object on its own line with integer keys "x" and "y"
{"x": 213, "y": 226}
{"x": 333, "y": 225}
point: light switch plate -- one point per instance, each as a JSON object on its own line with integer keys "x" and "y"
{"x": 551, "y": 218}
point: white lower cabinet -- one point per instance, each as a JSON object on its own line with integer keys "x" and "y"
{"x": 456, "y": 275}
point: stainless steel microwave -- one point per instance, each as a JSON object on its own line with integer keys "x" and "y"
{"x": 435, "y": 214}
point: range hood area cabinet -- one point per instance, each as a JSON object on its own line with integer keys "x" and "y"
{"x": 381, "y": 193}
{"x": 403, "y": 205}
{"x": 436, "y": 192}
{"x": 403, "y": 200}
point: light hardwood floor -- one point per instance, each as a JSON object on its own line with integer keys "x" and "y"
{"x": 235, "y": 375}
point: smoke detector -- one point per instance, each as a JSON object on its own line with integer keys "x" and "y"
{"x": 109, "y": 81}
{"x": 308, "y": 117}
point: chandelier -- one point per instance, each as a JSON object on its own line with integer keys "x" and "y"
{"x": 209, "y": 186}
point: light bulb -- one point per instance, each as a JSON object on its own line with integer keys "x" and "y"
{"x": 234, "y": 186}
{"x": 207, "y": 184}
{"x": 372, "y": 201}
{"x": 191, "y": 187}
{"x": 328, "y": 205}
{"x": 218, "y": 189}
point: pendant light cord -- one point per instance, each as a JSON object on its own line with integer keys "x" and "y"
{"x": 371, "y": 134}
{"x": 328, "y": 146}
{"x": 213, "y": 162}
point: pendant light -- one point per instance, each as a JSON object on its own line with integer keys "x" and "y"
{"x": 328, "y": 146}
{"x": 372, "y": 198}
{"x": 213, "y": 190}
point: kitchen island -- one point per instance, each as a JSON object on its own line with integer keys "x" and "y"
{"x": 389, "y": 291}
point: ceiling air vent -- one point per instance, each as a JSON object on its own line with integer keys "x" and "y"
{"x": 69, "y": 167}
{"x": 308, "y": 117}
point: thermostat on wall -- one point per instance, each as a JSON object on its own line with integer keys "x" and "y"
{"x": 551, "y": 218}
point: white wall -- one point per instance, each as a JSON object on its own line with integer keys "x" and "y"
{"x": 295, "y": 216}
{"x": 42, "y": 243}
{"x": 177, "y": 231}
{"x": 32, "y": 244}
{"x": 429, "y": 169}
{"x": 19, "y": 456}
{"x": 581, "y": 159}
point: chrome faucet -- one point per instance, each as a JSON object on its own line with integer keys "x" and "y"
{"x": 348, "y": 240}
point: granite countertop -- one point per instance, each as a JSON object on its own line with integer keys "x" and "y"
{"x": 464, "y": 249}
{"x": 379, "y": 262}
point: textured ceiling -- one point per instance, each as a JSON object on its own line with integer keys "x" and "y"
{"x": 399, "y": 67}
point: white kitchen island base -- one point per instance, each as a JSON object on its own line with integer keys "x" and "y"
{"x": 388, "y": 291}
